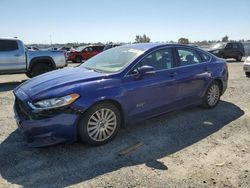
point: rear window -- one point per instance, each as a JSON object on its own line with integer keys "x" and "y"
{"x": 8, "y": 45}
{"x": 188, "y": 56}
{"x": 98, "y": 48}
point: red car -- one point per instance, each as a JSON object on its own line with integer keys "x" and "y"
{"x": 84, "y": 53}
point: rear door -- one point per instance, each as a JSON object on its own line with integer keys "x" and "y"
{"x": 192, "y": 74}
{"x": 232, "y": 50}
{"x": 12, "y": 56}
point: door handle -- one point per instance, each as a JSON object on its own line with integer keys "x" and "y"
{"x": 17, "y": 55}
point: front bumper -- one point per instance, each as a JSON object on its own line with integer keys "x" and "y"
{"x": 41, "y": 132}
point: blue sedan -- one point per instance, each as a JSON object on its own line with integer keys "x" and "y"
{"x": 125, "y": 84}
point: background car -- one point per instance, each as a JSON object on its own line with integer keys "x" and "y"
{"x": 124, "y": 84}
{"x": 108, "y": 46}
{"x": 228, "y": 50}
{"x": 246, "y": 66}
{"x": 66, "y": 49}
{"x": 16, "y": 58}
{"x": 84, "y": 53}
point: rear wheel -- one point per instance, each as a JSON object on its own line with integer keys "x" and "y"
{"x": 100, "y": 124}
{"x": 38, "y": 69}
{"x": 212, "y": 96}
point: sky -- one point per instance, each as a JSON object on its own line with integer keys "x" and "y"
{"x": 63, "y": 21}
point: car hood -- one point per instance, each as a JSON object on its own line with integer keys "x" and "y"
{"x": 58, "y": 80}
{"x": 214, "y": 49}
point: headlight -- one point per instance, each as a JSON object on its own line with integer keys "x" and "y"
{"x": 216, "y": 52}
{"x": 54, "y": 103}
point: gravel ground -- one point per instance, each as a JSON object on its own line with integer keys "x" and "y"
{"x": 186, "y": 148}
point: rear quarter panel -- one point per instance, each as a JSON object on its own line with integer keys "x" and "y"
{"x": 57, "y": 56}
{"x": 219, "y": 71}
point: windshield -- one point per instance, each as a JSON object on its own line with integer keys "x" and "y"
{"x": 80, "y": 48}
{"x": 112, "y": 60}
{"x": 218, "y": 45}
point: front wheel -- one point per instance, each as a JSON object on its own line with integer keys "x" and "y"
{"x": 100, "y": 124}
{"x": 247, "y": 74}
{"x": 212, "y": 96}
{"x": 239, "y": 58}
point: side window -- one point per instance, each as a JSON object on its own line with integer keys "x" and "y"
{"x": 97, "y": 48}
{"x": 8, "y": 45}
{"x": 94, "y": 48}
{"x": 100, "y": 48}
{"x": 188, "y": 57}
{"x": 229, "y": 46}
{"x": 235, "y": 46}
{"x": 88, "y": 49}
{"x": 160, "y": 60}
{"x": 205, "y": 57}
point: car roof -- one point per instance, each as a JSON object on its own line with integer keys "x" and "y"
{"x": 10, "y": 38}
{"x": 148, "y": 46}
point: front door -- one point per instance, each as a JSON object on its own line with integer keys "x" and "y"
{"x": 152, "y": 94}
{"x": 12, "y": 56}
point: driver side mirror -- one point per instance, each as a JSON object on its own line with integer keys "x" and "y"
{"x": 145, "y": 70}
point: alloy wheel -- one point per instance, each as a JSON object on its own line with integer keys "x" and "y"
{"x": 213, "y": 95}
{"x": 101, "y": 124}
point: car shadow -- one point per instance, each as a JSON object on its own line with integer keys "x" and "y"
{"x": 69, "y": 164}
{"x": 8, "y": 86}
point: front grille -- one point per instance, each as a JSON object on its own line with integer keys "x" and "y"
{"x": 21, "y": 110}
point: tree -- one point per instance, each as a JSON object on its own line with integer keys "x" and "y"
{"x": 225, "y": 39}
{"x": 183, "y": 41}
{"x": 142, "y": 39}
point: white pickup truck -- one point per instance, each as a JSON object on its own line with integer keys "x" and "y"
{"x": 15, "y": 58}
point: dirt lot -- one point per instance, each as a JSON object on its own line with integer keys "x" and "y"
{"x": 187, "y": 148}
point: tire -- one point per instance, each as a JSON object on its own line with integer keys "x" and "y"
{"x": 28, "y": 74}
{"x": 40, "y": 68}
{"x": 239, "y": 58}
{"x": 78, "y": 59}
{"x": 93, "y": 128}
{"x": 212, "y": 95}
{"x": 247, "y": 74}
